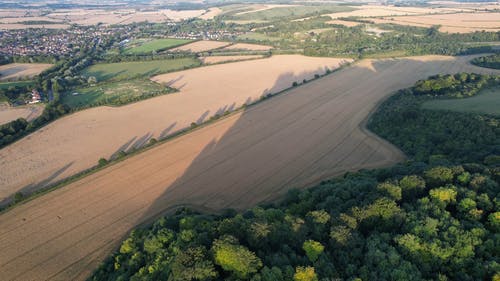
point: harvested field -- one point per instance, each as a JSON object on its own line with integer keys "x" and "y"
{"x": 293, "y": 140}
{"x": 219, "y": 59}
{"x": 28, "y": 112}
{"x": 379, "y": 10}
{"x": 452, "y": 23}
{"x": 248, "y": 47}
{"x": 15, "y": 71}
{"x": 76, "y": 142}
{"x": 210, "y": 13}
{"x": 12, "y": 26}
{"x": 200, "y": 46}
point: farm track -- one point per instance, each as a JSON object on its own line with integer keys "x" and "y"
{"x": 293, "y": 140}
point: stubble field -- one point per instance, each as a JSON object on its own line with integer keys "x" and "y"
{"x": 28, "y": 112}
{"x": 14, "y": 71}
{"x": 76, "y": 142}
{"x": 293, "y": 140}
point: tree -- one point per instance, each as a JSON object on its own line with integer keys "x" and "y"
{"x": 235, "y": 258}
{"x": 305, "y": 274}
{"x": 313, "y": 249}
{"x": 192, "y": 264}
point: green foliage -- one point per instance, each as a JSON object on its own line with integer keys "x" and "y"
{"x": 492, "y": 61}
{"x": 313, "y": 249}
{"x": 438, "y": 175}
{"x": 305, "y": 274}
{"x": 423, "y": 134}
{"x": 235, "y": 258}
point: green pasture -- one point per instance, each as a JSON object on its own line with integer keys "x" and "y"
{"x": 127, "y": 70}
{"x": 143, "y": 46}
{"x": 487, "y": 102}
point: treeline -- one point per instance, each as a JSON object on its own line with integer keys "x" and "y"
{"x": 427, "y": 135}
{"x": 492, "y": 61}
{"x": 432, "y": 220}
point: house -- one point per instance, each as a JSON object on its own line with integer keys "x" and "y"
{"x": 35, "y": 96}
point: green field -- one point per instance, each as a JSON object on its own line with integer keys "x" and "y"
{"x": 488, "y": 102}
{"x": 5, "y": 85}
{"x": 113, "y": 93}
{"x": 127, "y": 70}
{"x": 292, "y": 12}
{"x": 142, "y": 46}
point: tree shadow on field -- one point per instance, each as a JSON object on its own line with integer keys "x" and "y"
{"x": 34, "y": 186}
{"x": 259, "y": 156}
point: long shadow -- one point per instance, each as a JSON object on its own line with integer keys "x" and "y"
{"x": 123, "y": 148}
{"x": 236, "y": 170}
{"x": 167, "y": 130}
{"x": 34, "y": 186}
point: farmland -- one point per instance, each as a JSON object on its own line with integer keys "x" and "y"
{"x": 290, "y": 11}
{"x": 76, "y": 142}
{"x": 28, "y": 112}
{"x": 452, "y": 23}
{"x": 295, "y": 139}
{"x": 19, "y": 71}
{"x": 486, "y": 102}
{"x": 248, "y": 47}
{"x": 220, "y": 59}
{"x": 113, "y": 93}
{"x": 144, "y": 47}
{"x": 126, "y": 70}
{"x": 200, "y": 46}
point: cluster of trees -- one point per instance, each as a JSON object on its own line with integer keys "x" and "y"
{"x": 449, "y": 135}
{"x": 16, "y": 94}
{"x": 432, "y": 220}
{"x": 492, "y": 61}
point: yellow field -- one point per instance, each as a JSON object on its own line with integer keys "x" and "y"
{"x": 452, "y": 23}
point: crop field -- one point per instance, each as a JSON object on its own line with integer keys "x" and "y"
{"x": 378, "y": 11}
{"x": 147, "y": 47}
{"x": 296, "y": 139}
{"x": 290, "y": 11}
{"x": 201, "y": 46}
{"x": 488, "y": 101}
{"x": 452, "y": 23}
{"x": 127, "y": 70}
{"x": 28, "y": 112}
{"x": 111, "y": 93}
{"x": 63, "y": 18}
{"x": 17, "y": 71}
{"x": 77, "y": 141}
{"x": 248, "y": 47}
{"x": 220, "y": 59}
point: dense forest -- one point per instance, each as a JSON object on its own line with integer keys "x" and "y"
{"x": 436, "y": 217}
{"x": 492, "y": 61}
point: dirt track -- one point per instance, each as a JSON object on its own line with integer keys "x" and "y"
{"x": 76, "y": 142}
{"x": 292, "y": 140}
